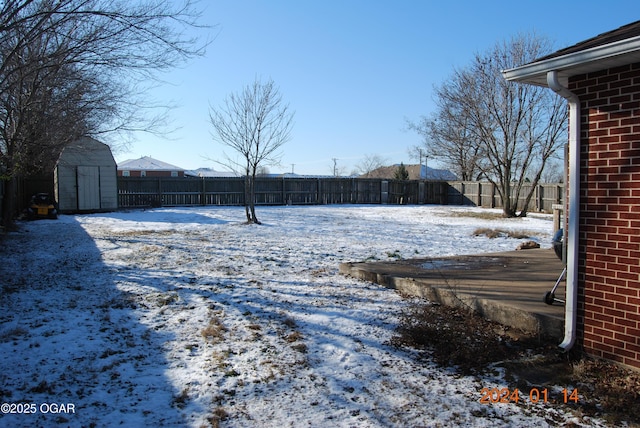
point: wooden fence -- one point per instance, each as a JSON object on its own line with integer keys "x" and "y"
{"x": 156, "y": 191}
{"x": 189, "y": 191}
{"x": 485, "y": 194}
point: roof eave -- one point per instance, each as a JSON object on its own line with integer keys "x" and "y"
{"x": 594, "y": 59}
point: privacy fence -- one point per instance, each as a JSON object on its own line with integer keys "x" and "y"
{"x": 485, "y": 194}
{"x": 177, "y": 191}
{"x": 156, "y": 191}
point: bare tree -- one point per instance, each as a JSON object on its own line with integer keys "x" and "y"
{"x": 263, "y": 171}
{"x": 504, "y": 131}
{"x": 335, "y": 169}
{"x": 369, "y": 163}
{"x": 71, "y": 68}
{"x": 447, "y": 136}
{"x": 554, "y": 172}
{"x": 520, "y": 126}
{"x": 255, "y": 123}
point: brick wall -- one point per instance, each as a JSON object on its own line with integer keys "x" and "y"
{"x": 609, "y": 254}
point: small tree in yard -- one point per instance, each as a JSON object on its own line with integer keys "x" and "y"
{"x": 255, "y": 123}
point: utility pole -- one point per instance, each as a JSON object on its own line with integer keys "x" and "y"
{"x": 426, "y": 167}
{"x": 420, "y": 153}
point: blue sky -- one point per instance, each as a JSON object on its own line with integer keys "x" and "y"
{"x": 352, "y": 70}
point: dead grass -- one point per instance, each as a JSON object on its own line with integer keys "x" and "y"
{"x": 496, "y": 233}
{"x": 484, "y": 215}
{"x": 300, "y": 347}
{"x": 180, "y": 401}
{"x": 13, "y": 334}
{"x": 457, "y": 338}
{"x": 613, "y": 388}
{"x": 214, "y": 331}
{"x": 44, "y": 388}
{"x": 219, "y": 359}
{"x": 289, "y": 322}
{"x": 219, "y": 415}
{"x": 162, "y": 299}
{"x": 294, "y": 337}
{"x": 142, "y": 232}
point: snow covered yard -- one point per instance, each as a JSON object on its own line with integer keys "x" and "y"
{"x": 188, "y": 317}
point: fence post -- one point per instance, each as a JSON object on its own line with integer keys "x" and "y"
{"x": 354, "y": 191}
{"x": 559, "y": 194}
{"x": 540, "y": 194}
{"x": 203, "y": 195}
{"x": 284, "y": 193}
{"x": 557, "y": 212}
{"x": 384, "y": 192}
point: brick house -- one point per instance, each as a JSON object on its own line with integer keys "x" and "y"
{"x": 147, "y": 166}
{"x": 600, "y": 78}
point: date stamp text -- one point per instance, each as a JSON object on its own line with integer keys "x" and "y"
{"x": 534, "y": 395}
{"x": 34, "y": 408}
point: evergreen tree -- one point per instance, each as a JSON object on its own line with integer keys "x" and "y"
{"x": 401, "y": 173}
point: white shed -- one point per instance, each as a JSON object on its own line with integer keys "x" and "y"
{"x": 85, "y": 178}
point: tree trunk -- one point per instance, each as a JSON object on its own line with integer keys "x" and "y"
{"x": 508, "y": 210}
{"x": 247, "y": 197}
{"x": 252, "y": 201}
{"x": 9, "y": 204}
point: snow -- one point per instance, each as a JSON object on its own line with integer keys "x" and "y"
{"x": 182, "y": 316}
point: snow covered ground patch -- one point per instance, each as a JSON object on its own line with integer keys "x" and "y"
{"x": 188, "y": 317}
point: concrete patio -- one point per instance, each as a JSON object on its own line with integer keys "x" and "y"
{"x": 504, "y": 287}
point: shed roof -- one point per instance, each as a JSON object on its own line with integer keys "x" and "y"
{"x": 86, "y": 151}
{"x": 607, "y": 50}
{"x": 147, "y": 163}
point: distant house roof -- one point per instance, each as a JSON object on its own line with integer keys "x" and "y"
{"x": 210, "y": 172}
{"x": 294, "y": 175}
{"x": 147, "y": 163}
{"x": 607, "y": 50}
{"x": 416, "y": 172}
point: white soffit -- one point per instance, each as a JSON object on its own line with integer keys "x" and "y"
{"x": 589, "y": 60}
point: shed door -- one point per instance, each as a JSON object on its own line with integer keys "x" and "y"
{"x": 88, "y": 187}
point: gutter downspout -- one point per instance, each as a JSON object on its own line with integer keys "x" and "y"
{"x": 571, "y": 305}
